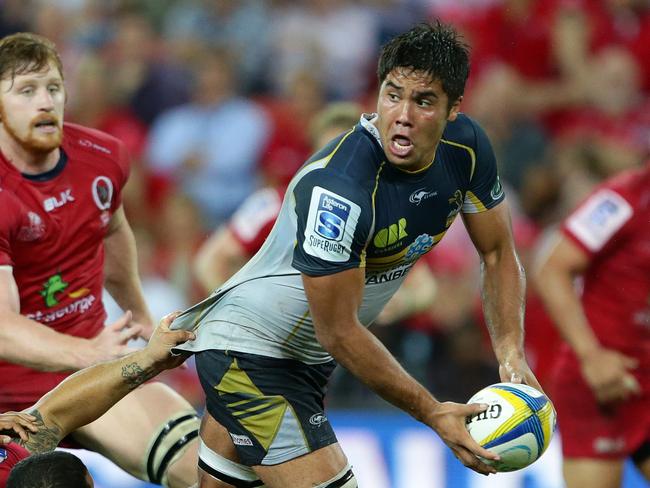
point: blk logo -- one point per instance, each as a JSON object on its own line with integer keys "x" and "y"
{"x": 55, "y": 202}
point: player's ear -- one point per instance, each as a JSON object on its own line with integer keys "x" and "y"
{"x": 454, "y": 109}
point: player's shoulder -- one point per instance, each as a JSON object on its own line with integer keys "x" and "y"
{"x": 463, "y": 131}
{"x": 632, "y": 184}
{"x": 608, "y": 209}
{"x": 91, "y": 142}
{"x": 84, "y": 145}
{"x": 354, "y": 156}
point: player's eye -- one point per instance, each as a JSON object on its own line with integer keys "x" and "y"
{"x": 393, "y": 97}
{"x": 28, "y": 90}
{"x": 54, "y": 88}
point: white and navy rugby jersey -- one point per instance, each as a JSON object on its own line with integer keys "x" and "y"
{"x": 347, "y": 207}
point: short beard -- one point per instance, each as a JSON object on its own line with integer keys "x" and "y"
{"x": 30, "y": 143}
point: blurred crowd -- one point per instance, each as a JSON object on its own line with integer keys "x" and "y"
{"x": 217, "y": 98}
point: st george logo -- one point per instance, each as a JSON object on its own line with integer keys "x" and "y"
{"x": 51, "y": 287}
{"x": 391, "y": 234}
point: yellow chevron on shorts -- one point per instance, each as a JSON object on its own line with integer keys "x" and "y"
{"x": 522, "y": 412}
{"x": 264, "y": 417}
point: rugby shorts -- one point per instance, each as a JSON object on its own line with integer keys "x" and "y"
{"x": 272, "y": 408}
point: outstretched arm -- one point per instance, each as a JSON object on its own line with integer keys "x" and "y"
{"x": 121, "y": 277}
{"x": 503, "y": 287}
{"x": 334, "y": 301}
{"x": 94, "y": 390}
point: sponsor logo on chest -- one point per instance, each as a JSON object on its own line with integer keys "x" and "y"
{"x": 53, "y": 203}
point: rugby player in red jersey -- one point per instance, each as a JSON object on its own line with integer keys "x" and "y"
{"x": 602, "y": 381}
{"x": 92, "y": 390}
{"x": 63, "y": 235}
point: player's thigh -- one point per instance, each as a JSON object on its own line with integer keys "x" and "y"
{"x": 129, "y": 430}
{"x": 594, "y": 473}
{"x": 270, "y": 411}
{"x": 313, "y": 469}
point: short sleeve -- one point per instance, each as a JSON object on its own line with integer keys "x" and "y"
{"x": 600, "y": 218}
{"x": 10, "y": 224}
{"x": 334, "y": 216}
{"x": 485, "y": 190}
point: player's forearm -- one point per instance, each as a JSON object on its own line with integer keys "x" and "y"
{"x": 361, "y": 353}
{"x": 29, "y": 343}
{"x": 503, "y": 291}
{"x": 556, "y": 288}
{"x": 92, "y": 391}
{"x": 121, "y": 277}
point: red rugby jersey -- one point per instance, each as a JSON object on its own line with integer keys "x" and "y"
{"x": 10, "y": 455}
{"x": 613, "y": 226}
{"x": 51, "y": 233}
{"x": 254, "y": 219}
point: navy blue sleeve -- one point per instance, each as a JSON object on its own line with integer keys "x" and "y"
{"x": 334, "y": 217}
{"x": 485, "y": 189}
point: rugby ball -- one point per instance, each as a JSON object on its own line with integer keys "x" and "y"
{"x": 518, "y": 424}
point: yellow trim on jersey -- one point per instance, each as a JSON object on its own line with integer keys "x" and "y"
{"x": 472, "y": 154}
{"x": 296, "y": 327}
{"x": 477, "y": 205}
{"x": 323, "y": 162}
{"x": 362, "y": 261}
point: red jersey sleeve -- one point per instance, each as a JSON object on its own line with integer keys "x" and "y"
{"x": 254, "y": 219}
{"x": 124, "y": 166}
{"x": 10, "y": 224}
{"x": 598, "y": 219}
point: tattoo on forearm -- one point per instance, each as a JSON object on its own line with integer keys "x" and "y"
{"x": 134, "y": 375}
{"x": 45, "y": 440}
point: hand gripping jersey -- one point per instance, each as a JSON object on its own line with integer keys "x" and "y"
{"x": 345, "y": 208}
{"x": 52, "y": 228}
{"x": 10, "y": 455}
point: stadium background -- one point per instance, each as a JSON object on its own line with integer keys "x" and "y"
{"x": 214, "y": 99}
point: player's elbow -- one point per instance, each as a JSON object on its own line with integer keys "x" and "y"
{"x": 334, "y": 339}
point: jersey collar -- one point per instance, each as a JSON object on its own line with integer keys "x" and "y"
{"x": 367, "y": 121}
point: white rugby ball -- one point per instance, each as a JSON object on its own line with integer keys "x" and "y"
{"x": 518, "y": 424}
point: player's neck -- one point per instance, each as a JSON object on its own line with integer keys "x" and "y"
{"x": 25, "y": 160}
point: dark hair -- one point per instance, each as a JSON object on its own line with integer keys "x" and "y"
{"x": 436, "y": 49}
{"x": 56, "y": 469}
{"x": 25, "y": 52}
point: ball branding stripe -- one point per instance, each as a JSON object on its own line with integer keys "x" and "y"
{"x": 517, "y": 402}
{"x": 546, "y": 418}
{"x": 532, "y": 425}
{"x": 535, "y": 404}
{"x": 508, "y": 425}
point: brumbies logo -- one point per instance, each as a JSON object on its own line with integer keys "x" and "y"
{"x": 330, "y": 225}
{"x": 102, "y": 192}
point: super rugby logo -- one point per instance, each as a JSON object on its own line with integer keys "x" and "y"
{"x": 330, "y": 225}
{"x": 3, "y": 455}
{"x": 102, "y": 192}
